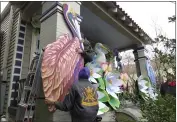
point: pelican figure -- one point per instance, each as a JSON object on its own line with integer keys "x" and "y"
{"x": 101, "y": 51}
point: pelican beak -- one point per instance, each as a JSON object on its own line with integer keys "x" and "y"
{"x": 104, "y": 48}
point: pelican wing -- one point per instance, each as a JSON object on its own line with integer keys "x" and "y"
{"x": 59, "y": 66}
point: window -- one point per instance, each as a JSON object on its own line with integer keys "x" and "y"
{"x": 17, "y": 70}
{"x": 18, "y": 63}
{"x": 20, "y": 41}
{"x": 23, "y": 22}
{"x": 19, "y": 55}
{"x": 13, "y": 103}
{"x": 14, "y": 94}
{"x": 22, "y": 35}
{"x": 15, "y": 86}
{"x": 19, "y": 48}
{"x": 16, "y": 78}
{"x": 22, "y": 28}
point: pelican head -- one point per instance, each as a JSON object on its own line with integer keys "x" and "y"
{"x": 100, "y": 48}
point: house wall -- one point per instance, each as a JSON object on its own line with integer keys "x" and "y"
{"x": 27, "y": 51}
{"x": 10, "y": 48}
{"x": 4, "y": 29}
{"x": 17, "y": 51}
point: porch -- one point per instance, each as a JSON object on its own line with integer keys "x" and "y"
{"x": 103, "y": 22}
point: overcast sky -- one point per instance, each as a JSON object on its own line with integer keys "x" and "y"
{"x": 145, "y": 14}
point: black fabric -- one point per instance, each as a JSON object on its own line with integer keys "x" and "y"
{"x": 166, "y": 89}
{"x": 81, "y": 101}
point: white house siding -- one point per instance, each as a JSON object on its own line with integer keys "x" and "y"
{"x": 4, "y": 29}
{"x": 27, "y": 50}
{"x": 10, "y": 54}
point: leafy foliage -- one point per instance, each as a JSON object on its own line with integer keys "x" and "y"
{"x": 161, "y": 110}
{"x": 164, "y": 108}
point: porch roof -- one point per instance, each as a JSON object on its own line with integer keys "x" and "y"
{"x": 121, "y": 16}
{"x": 114, "y": 11}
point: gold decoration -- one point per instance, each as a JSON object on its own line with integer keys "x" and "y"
{"x": 90, "y": 97}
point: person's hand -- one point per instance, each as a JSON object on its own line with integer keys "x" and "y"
{"x": 49, "y": 102}
{"x": 52, "y": 108}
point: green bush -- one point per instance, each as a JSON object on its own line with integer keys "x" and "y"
{"x": 161, "y": 110}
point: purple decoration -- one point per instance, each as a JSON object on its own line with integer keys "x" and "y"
{"x": 69, "y": 17}
{"x": 77, "y": 69}
{"x": 84, "y": 73}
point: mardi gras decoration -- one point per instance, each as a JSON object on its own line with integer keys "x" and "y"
{"x": 108, "y": 80}
{"x": 151, "y": 72}
{"x": 146, "y": 88}
{"x": 61, "y": 61}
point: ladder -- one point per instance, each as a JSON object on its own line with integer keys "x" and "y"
{"x": 26, "y": 107}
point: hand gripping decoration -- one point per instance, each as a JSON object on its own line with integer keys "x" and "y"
{"x": 61, "y": 62}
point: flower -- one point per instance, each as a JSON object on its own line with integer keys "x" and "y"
{"x": 114, "y": 84}
{"x": 124, "y": 76}
{"x": 107, "y": 67}
{"x": 94, "y": 75}
{"x": 146, "y": 88}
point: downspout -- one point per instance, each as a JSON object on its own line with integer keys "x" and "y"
{"x": 4, "y": 69}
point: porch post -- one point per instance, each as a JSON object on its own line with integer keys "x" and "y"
{"x": 52, "y": 26}
{"x": 140, "y": 61}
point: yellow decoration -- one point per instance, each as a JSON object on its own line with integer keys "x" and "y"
{"x": 73, "y": 12}
{"x": 90, "y": 97}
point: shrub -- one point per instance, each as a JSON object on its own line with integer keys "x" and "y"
{"x": 161, "y": 110}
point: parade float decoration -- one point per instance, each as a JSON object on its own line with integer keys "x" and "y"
{"x": 151, "y": 72}
{"x": 146, "y": 88}
{"x": 61, "y": 62}
{"x": 147, "y": 83}
{"x": 110, "y": 80}
{"x": 63, "y": 59}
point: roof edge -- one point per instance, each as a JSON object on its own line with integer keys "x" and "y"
{"x": 5, "y": 11}
{"x": 114, "y": 8}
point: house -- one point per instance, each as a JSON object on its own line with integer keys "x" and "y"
{"x": 27, "y": 27}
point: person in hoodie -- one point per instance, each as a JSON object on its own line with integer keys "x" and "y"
{"x": 81, "y": 101}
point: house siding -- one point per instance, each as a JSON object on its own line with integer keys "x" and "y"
{"x": 4, "y": 29}
{"x": 27, "y": 50}
{"x": 9, "y": 62}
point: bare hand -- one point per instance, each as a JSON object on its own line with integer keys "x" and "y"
{"x": 52, "y": 108}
